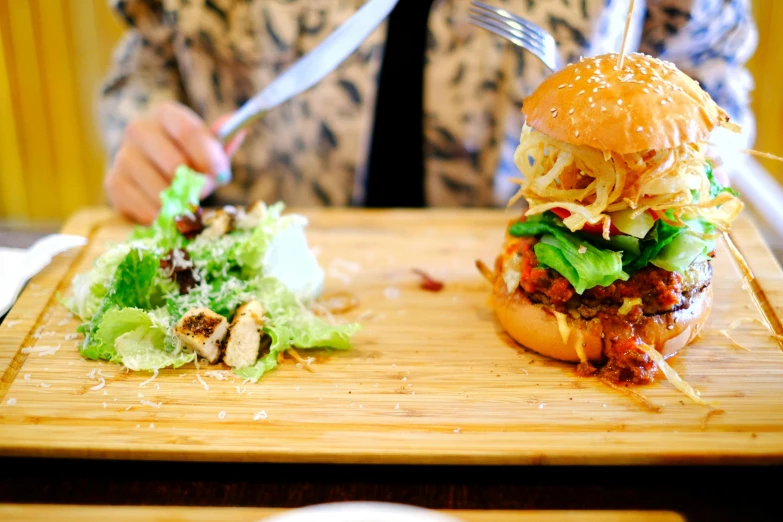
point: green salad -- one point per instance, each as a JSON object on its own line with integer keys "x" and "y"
{"x": 231, "y": 284}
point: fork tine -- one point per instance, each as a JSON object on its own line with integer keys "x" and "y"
{"x": 516, "y": 37}
{"x": 531, "y": 41}
{"x": 518, "y": 31}
{"x": 507, "y": 15}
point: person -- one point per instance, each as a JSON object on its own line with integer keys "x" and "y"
{"x": 427, "y": 111}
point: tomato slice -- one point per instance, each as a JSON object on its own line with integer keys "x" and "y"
{"x": 590, "y": 228}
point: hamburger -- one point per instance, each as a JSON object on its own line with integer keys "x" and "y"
{"x": 610, "y": 266}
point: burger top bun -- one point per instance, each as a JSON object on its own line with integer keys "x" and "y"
{"x": 648, "y": 104}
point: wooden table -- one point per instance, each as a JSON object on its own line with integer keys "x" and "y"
{"x": 698, "y": 493}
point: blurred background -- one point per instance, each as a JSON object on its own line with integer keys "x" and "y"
{"x": 53, "y": 54}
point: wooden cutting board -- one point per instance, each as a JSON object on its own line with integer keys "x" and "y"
{"x": 432, "y": 378}
{"x": 32, "y": 512}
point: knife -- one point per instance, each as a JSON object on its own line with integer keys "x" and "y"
{"x": 312, "y": 67}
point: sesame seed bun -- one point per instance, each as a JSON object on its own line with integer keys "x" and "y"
{"x": 535, "y": 327}
{"x": 649, "y": 104}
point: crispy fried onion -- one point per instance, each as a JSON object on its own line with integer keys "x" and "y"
{"x": 591, "y": 184}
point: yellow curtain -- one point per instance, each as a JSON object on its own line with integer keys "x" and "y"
{"x": 53, "y": 54}
{"x": 767, "y": 98}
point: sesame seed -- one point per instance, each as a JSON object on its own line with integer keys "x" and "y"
{"x": 595, "y": 89}
{"x": 646, "y": 90}
{"x": 592, "y": 105}
{"x": 577, "y": 78}
{"x": 590, "y": 99}
{"x": 552, "y": 109}
{"x": 580, "y": 92}
{"x": 619, "y": 102}
{"x": 669, "y": 99}
{"x": 639, "y": 129}
{"x": 561, "y": 86}
{"x": 603, "y": 109}
{"x": 570, "y": 85}
{"x": 571, "y": 110}
{"x": 554, "y": 114}
{"x": 576, "y": 134}
{"x": 663, "y": 102}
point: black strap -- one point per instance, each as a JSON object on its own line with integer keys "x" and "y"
{"x": 396, "y": 160}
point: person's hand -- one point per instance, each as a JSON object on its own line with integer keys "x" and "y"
{"x": 151, "y": 151}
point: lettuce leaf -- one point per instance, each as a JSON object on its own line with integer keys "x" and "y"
{"x": 604, "y": 261}
{"x": 89, "y": 288}
{"x": 139, "y": 340}
{"x": 264, "y": 365}
{"x": 135, "y": 283}
{"x": 687, "y": 247}
{"x": 583, "y": 264}
{"x": 181, "y": 197}
{"x": 654, "y": 242}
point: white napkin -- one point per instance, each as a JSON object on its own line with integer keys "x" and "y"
{"x": 18, "y": 265}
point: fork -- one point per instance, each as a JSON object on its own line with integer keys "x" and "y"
{"x": 518, "y": 31}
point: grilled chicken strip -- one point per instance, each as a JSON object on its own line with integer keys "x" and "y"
{"x": 217, "y": 222}
{"x": 203, "y": 331}
{"x": 244, "y": 336}
{"x": 249, "y": 217}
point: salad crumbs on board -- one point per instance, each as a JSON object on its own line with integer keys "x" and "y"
{"x": 42, "y": 351}
{"x": 11, "y": 401}
{"x": 11, "y": 324}
{"x": 217, "y": 374}
{"x": 391, "y": 292}
{"x": 154, "y": 376}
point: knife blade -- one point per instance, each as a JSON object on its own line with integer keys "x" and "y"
{"x": 312, "y": 67}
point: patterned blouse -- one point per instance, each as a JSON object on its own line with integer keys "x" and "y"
{"x": 213, "y": 55}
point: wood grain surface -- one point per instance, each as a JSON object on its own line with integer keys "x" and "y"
{"x": 432, "y": 378}
{"x": 24, "y": 513}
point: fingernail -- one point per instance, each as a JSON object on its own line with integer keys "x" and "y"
{"x": 224, "y": 177}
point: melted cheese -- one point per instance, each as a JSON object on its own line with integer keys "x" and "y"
{"x": 628, "y": 304}
{"x": 579, "y": 346}
{"x": 562, "y": 325}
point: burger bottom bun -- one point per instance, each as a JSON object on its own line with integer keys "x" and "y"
{"x": 536, "y": 327}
